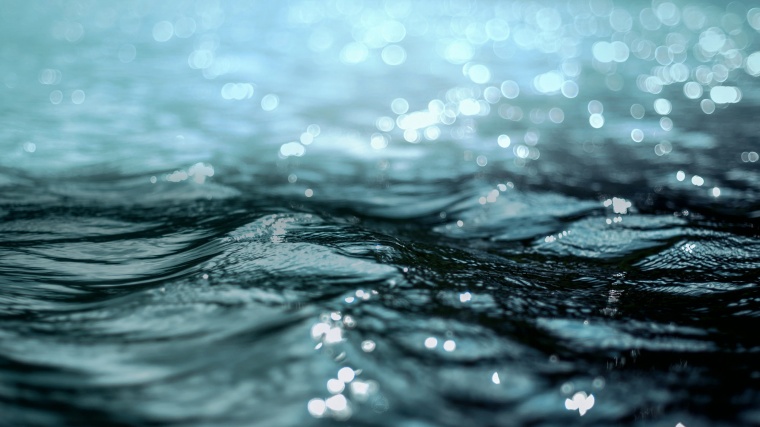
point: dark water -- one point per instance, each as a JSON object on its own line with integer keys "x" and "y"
{"x": 391, "y": 213}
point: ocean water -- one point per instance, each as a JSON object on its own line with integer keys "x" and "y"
{"x": 379, "y": 213}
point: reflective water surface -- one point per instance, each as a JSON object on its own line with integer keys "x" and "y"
{"x": 396, "y": 213}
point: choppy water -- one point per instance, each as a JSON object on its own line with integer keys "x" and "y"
{"x": 388, "y": 213}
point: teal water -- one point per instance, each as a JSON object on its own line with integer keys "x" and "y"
{"x": 386, "y": 213}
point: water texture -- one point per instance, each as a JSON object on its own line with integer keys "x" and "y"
{"x": 379, "y": 213}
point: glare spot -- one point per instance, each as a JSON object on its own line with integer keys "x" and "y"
{"x": 653, "y": 84}
{"x": 368, "y": 346}
{"x": 753, "y": 17}
{"x": 360, "y": 389}
{"x": 56, "y": 97}
{"x": 725, "y": 94}
{"x": 697, "y": 180}
{"x": 663, "y": 148}
{"x": 335, "y": 334}
{"x": 335, "y": 386}
{"x": 479, "y": 74}
{"x": 431, "y": 342}
{"x": 666, "y": 123}
{"x": 637, "y": 135}
{"x": 495, "y": 378}
{"x": 400, "y": 106}
{"x": 503, "y": 141}
{"x": 237, "y": 91}
{"x": 692, "y": 90}
{"x": 458, "y": 52}
{"x": 569, "y": 89}
{"x": 621, "y": 21}
{"x": 549, "y": 82}
{"x": 177, "y": 176}
{"x": 469, "y": 107}
{"x": 184, "y": 27}
{"x": 716, "y": 192}
{"x": 497, "y": 29}
{"x": 337, "y": 403}
{"x": 606, "y": 52}
{"x": 432, "y": 133}
{"x": 349, "y": 322}
{"x": 449, "y": 345}
{"x": 596, "y": 120}
{"x": 415, "y": 120}
{"x": 708, "y": 107}
{"x": 77, "y": 97}
{"x": 491, "y": 94}
{"x": 411, "y": 135}
{"x": 354, "y": 53}
{"x": 319, "y": 330}
{"x": 306, "y": 138}
{"x": 393, "y": 31}
{"x": 378, "y": 141}
{"x": 200, "y": 171}
{"x": 637, "y": 111}
{"x": 49, "y": 76}
{"x": 385, "y": 124}
{"x": 346, "y": 374}
{"x": 481, "y": 160}
{"x": 752, "y": 64}
{"x": 30, "y": 147}
{"x": 662, "y": 106}
{"x": 510, "y": 89}
{"x": 292, "y": 149}
{"x": 270, "y": 102}
{"x": 680, "y": 175}
{"x": 393, "y": 55}
{"x": 200, "y": 59}
{"x": 712, "y": 40}
{"x": 521, "y": 151}
{"x": 465, "y": 297}
{"x": 317, "y": 407}
{"x": 668, "y": 13}
{"x": 163, "y": 31}
{"x": 549, "y": 19}
{"x": 580, "y": 402}
{"x": 619, "y": 206}
{"x": 556, "y": 115}
{"x": 598, "y": 382}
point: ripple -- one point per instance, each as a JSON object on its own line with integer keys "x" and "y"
{"x": 379, "y": 213}
{"x": 607, "y": 238}
{"x": 514, "y": 216}
{"x": 718, "y": 255}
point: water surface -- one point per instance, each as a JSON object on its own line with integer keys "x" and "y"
{"x": 379, "y": 213}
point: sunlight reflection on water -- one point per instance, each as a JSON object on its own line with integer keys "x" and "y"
{"x": 384, "y": 212}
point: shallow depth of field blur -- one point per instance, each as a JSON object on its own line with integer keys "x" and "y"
{"x": 379, "y": 213}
